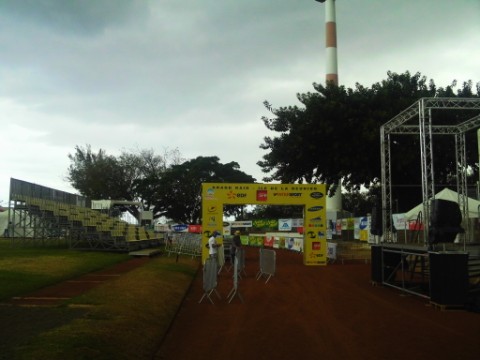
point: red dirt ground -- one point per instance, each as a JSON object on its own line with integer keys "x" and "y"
{"x": 303, "y": 312}
{"x": 329, "y": 312}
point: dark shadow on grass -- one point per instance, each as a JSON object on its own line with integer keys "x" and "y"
{"x": 19, "y": 325}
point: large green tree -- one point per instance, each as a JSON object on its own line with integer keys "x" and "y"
{"x": 178, "y": 195}
{"x": 96, "y": 175}
{"x": 132, "y": 176}
{"x": 335, "y": 136}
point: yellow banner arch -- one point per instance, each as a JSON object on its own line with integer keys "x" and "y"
{"x": 310, "y": 196}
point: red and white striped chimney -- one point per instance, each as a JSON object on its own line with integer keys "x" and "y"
{"x": 331, "y": 41}
{"x": 334, "y": 202}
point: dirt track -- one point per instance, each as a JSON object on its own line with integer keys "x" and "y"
{"x": 330, "y": 312}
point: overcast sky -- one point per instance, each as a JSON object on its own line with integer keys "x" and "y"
{"x": 192, "y": 75}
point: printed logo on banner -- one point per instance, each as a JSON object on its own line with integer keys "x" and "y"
{"x": 262, "y": 195}
{"x": 316, "y": 195}
{"x": 210, "y": 194}
{"x": 180, "y": 227}
{"x": 212, "y": 209}
{"x": 287, "y": 194}
{"x": 363, "y": 223}
{"x": 297, "y": 222}
{"x": 247, "y": 223}
{"x": 285, "y": 224}
{"x": 315, "y": 208}
{"x": 233, "y": 195}
{"x": 212, "y": 221}
{"x": 260, "y": 223}
{"x": 316, "y": 245}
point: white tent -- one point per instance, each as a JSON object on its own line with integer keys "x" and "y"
{"x": 446, "y": 194}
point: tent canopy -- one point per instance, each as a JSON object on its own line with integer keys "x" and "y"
{"x": 450, "y": 195}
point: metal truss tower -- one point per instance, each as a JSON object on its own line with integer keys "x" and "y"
{"x": 403, "y": 124}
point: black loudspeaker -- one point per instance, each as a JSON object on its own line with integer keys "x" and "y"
{"x": 445, "y": 221}
{"x": 448, "y": 278}
{"x": 377, "y": 223}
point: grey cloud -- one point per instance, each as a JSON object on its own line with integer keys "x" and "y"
{"x": 74, "y": 17}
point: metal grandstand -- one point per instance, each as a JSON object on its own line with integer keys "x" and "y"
{"x": 44, "y": 216}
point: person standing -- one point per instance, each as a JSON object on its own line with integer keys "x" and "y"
{"x": 213, "y": 245}
{"x": 236, "y": 244}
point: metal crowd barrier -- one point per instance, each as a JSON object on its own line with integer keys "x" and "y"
{"x": 184, "y": 244}
{"x": 209, "y": 280}
{"x": 267, "y": 263}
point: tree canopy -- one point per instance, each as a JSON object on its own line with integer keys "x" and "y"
{"x": 167, "y": 185}
{"x": 179, "y": 189}
{"x": 335, "y": 135}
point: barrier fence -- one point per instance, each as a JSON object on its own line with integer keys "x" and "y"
{"x": 268, "y": 259}
{"x": 209, "y": 280}
{"x": 189, "y": 244}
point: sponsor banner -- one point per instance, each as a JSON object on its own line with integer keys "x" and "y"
{"x": 414, "y": 225}
{"x": 195, "y": 229}
{"x": 338, "y": 227}
{"x": 364, "y": 223}
{"x": 399, "y": 221}
{"x": 268, "y": 241}
{"x": 265, "y": 223}
{"x": 285, "y": 224}
{"x": 331, "y": 250}
{"x": 275, "y": 194}
{"x": 356, "y": 228}
{"x": 256, "y": 239}
{"x": 330, "y": 229}
{"x": 297, "y": 223}
{"x": 311, "y": 196}
{"x": 350, "y": 223}
{"x": 331, "y": 224}
{"x": 364, "y": 235}
{"x": 180, "y": 227}
{"x": 244, "y": 239}
{"x": 315, "y": 251}
{"x": 241, "y": 223}
{"x": 292, "y": 242}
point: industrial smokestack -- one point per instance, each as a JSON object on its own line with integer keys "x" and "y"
{"x": 334, "y": 202}
{"x": 331, "y": 41}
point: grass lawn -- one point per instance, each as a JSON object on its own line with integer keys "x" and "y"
{"x": 125, "y": 318}
{"x": 24, "y": 269}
